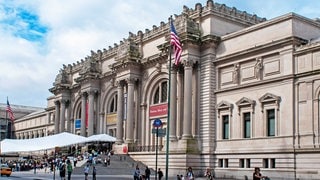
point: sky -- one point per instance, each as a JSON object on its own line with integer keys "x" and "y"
{"x": 38, "y": 36}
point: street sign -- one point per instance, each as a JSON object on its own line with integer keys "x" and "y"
{"x": 157, "y": 123}
{"x": 161, "y": 132}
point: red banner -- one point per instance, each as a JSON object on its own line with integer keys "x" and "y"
{"x": 158, "y": 110}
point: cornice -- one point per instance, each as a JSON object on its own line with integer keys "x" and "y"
{"x": 281, "y": 42}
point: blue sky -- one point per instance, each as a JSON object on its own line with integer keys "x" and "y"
{"x": 38, "y": 36}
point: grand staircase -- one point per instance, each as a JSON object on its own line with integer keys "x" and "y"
{"x": 119, "y": 165}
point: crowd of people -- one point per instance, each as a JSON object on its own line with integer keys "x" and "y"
{"x": 64, "y": 166}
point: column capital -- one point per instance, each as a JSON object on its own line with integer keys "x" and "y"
{"x": 131, "y": 80}
{"x": 93, "y": 92}
{"x": 119, "y": 83}
{"x": 57, "y": 102}
{"x": 188, "y": 63}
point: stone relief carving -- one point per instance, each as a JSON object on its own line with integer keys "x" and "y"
{"x": 128, "y": 49}
{"x": 61, "y": 78}
{"x": 90, "y": 66}
{"x": 258, "y": 68}
{"x": 236, "y": 73}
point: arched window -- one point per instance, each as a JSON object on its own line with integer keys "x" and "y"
{"x": 113, "y": 104}
{"x": 161, "y": 93}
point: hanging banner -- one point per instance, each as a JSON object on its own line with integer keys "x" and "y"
{"x": 158, "y": 110}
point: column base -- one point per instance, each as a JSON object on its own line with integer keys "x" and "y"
{"x": 185, "y": 146}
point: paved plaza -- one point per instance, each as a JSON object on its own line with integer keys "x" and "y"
{"x": 121, "y": 167}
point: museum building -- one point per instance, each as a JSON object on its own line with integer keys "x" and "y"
{"x": 246, "y": 94}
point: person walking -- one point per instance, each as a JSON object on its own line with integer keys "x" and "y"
{"x": 69, "y": 169}
{"x": 147, "y": 173}
{"x": 62, "y": 170}
{"x": 160, "y": 174}
{"x": 136, "y": 175}
{"x": 86, "y": 171}
{"x": 94, "y": 173}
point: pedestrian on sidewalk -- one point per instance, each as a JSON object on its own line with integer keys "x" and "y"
{"x": 94, "y": 173}
{"x": 62, "y": 170}
{"x": 147, "y": 173}
{"x": 86, "y": 171}
{"x": 136, "y": 175}
{"x": 190, "y": 175}
{"x": 69, "y": 169}
{"x": 160, "y": 174}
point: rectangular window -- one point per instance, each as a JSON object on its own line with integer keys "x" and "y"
{"x": 272, "y": 163}
{"x": 220, "y": 163}
{"x": 248, "y": 163}
{"x": 265, "y": 163}
{"x": 225, "y": 122}
{"x": 226, "y": 163}
{"x": 247, "y": 124}
{"x": 271, "y": 122}
{"x": 241, "y": 163}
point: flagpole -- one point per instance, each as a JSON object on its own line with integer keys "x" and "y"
{"x": 5, "y": 135}
{"x": 168, "y": 116}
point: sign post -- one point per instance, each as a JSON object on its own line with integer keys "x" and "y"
{"x": 156, "y": 124}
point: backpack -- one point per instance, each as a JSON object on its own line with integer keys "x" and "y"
{"x": 61, "y": 168}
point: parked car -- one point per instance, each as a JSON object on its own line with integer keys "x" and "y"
{"x": 5, "y": 170}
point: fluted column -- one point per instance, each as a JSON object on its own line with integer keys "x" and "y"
{"x": 120, "y": 113}
{"x": 57, "y": 116}
{"x": 83, "y": 114}
{"x": 62, "y": 116}
{"x": 130, "y": 112}
{"x": 91, "y": 113}
{"x": 187, "y": 112}
{"x": 173, "y": 104}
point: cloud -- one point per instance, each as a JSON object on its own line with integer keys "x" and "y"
{"x": 38, "y": 37}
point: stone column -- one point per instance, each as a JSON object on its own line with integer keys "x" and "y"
{"x": 173, "y": 104}
{"x": 62, "y": 116}
{"x": 102, "y": 122}
{"x": 187, "y": 112}
{"x": 68, "y": 106}
{"x": 56, "y": 118}
{"x": 130, "y": 112}
{"x": 91, "y": 113}
{"x": 144, "y": 134}
{"x": 120, "y": 113}
{"x": 83, "y": 114}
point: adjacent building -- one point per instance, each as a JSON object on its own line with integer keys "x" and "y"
{"x": 246, "y": 94}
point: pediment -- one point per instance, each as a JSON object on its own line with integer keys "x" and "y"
{"x": 245, "y": 102}
{"x": 268, "y": 97}
{"x": 224, "y": 105}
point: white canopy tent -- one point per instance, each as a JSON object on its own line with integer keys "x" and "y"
{"x": 101, "y": 138}
{"x": 42, "y": 143}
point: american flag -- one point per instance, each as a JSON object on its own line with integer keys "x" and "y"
{"x": 175, "y": 42}
{"x": 9, "y": 111}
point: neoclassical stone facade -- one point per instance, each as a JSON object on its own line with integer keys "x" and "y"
{"x": 247, "y": 94}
